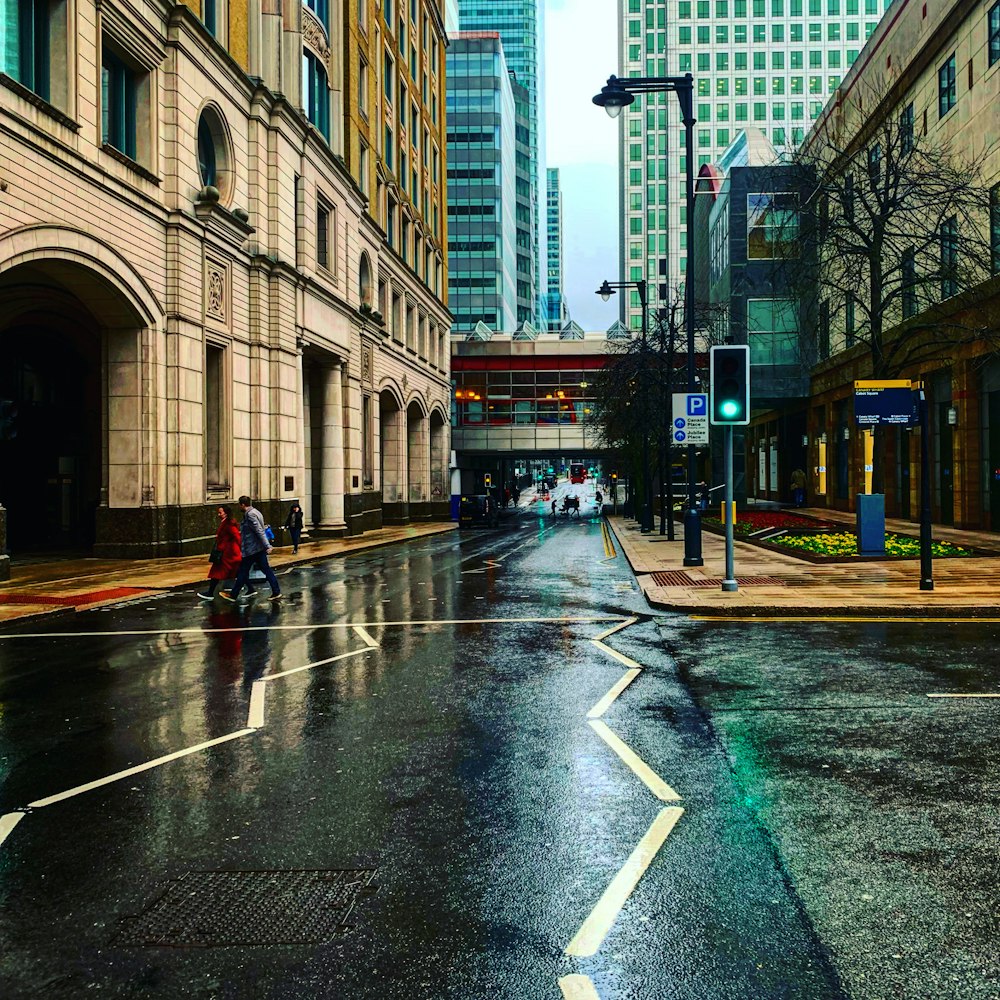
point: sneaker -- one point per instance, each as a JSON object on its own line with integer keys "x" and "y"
{"x": 227, "y": 596}
{"x": 275, "y": 597}
{"x": 205, "y": 597}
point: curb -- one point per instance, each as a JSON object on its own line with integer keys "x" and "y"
{"x": 909, "y": 612}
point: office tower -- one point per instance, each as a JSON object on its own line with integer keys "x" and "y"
{"x": 521, "y": 27}
{"x": 767, "y": 63}
{"x": 556, "y": 313}
{"x": 482, "y": 184}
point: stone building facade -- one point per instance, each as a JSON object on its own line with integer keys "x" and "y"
{"x": 199, "y": 295}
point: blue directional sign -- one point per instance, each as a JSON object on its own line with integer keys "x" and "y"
{"x": 884, "y": 402}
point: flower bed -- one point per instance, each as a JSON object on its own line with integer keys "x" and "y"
{"x": 845, "y": 544}
{"x": 750, "y": 522}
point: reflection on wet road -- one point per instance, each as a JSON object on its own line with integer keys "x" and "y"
{"x": 482, "y": 743}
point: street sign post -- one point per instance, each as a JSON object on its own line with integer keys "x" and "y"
{"x": 889, "y": 402}
{"x": 690, "y": 418}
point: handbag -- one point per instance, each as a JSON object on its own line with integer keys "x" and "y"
{"x": 215, "y": 556}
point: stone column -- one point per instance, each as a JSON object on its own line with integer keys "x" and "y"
{"x": 302, "y": 429}
{"x": 331, "y": 504}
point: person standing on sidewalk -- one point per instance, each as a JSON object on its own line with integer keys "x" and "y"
{"x": 226, "y": 554}
{"x": 799, "y": 487}
{"x": 255, "y": 548}
{"x": 294, "y": 526}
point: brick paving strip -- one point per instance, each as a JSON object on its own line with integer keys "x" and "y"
{"x": 772, "y": 583}
{"x": 54, "y": 586}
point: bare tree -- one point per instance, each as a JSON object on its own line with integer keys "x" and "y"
{"x": 897, "y": 249}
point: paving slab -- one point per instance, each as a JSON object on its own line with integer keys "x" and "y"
{"x": 963, "y": 587}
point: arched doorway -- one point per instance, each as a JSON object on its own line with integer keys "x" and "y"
{"x": 69, "y": 394}
{"x": 392, "y": 469}
{"x": 440, "y": 491}
{"x": 417, "y": 461}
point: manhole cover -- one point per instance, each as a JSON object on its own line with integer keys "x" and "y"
{"x": 220, "y": 909}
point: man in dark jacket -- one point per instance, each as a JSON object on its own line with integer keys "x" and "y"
{"x": 254, "y": 548}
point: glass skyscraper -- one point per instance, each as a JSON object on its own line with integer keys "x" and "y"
{"x": 482, "y": 184}
{"x": 521, "y": 27}
{"x": 767, "y": 63}
{"x": 555, "y": 304}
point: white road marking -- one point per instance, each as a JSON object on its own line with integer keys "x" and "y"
{"x": 595, "y": 928}
{"x": 318, "y": 625}
{"x": 602, "y": 706}
{"x": 578, "y": 988}
{"x": 620, "y": 657}
{"x": 317, "y": 663}
{"x": 255, "y": 720}
{"x": 637, "y": 765}
{"x": 963, "y": 696}
{"x": 614, "y": 628}
{"x": 369, "y": 641}
{"x": 138, "y": 769}
{"x": 7, "y": 823}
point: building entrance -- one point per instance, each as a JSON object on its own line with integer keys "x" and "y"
{"x": 50, "y": 436}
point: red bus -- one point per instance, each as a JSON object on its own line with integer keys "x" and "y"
{"x": 577, "y": 473}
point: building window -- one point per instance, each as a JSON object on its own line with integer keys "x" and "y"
{"x": 823, "y": 335}
{"x": 772, "y": 226}
{"x": 947, "y": 88}
{"x": 363, "y": 88}
{"x": 993, "y": 29}
{"x": 367, "y": 442}
{"x": 324, "y": 214}
{"x": 207, "y": 160}
{"x": 949, "y": 257}
{"x": 908, "y": 282}
{"x": 321, "y": 8}
{"x": 216, "y": 412}
{"x": 875, "y": 165}
{"x": 772, "y": 331}
{"x": 363, "y": 169}
{"x": 316, "y": 93}
{"x": 119, "y": 99}
{"x": 32, "y": 32}
{"x": 995, "y": 229}
{"x": 388, "y": 73}
{"x": 906, "y": 129}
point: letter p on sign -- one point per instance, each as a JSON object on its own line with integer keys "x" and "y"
{"x": 697, "y": 405}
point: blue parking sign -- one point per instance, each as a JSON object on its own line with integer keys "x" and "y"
{"x": 697, "y": 404}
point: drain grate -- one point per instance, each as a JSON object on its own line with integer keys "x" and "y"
{"x": 218, "y": 909}
{"x": 678, "y": 578}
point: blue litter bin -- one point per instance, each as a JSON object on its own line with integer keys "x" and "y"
{"x": 870, "y": 520}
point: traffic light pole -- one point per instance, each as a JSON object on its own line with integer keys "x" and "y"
{"x": 729, "y": 584}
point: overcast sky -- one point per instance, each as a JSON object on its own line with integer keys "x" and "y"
{"x": 582, "y": 141}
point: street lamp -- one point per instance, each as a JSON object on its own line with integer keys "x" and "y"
{"x": 619, "y": 93}
{"x": 606, "y": 290}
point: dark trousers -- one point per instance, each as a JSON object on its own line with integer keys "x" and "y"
{"x": 247, "y": 563}
{"x": 296, "y": 534}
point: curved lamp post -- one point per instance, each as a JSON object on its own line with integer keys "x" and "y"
{"x": 606, "y": 290}
{"x": 619, "y": 93}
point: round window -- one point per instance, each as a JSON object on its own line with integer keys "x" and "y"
{"x": 214, "y": 157}
{"x": 206, "y": 153}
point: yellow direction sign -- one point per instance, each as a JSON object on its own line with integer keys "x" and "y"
{"x": 896, "y": 383}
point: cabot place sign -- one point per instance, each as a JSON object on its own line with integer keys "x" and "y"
{"x": 889, "y": 401}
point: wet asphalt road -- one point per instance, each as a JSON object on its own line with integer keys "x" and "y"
{"x": 839, "y": 834}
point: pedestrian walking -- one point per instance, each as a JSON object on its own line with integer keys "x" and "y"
{"x": 553, "y": 508}
{"x": 799, "y": 488}
{"x": 293, "y": 524}
{"x": 255, "y": 548}
{"x": 225, "y": 556}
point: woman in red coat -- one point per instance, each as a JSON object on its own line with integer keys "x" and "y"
{"x": 227, "y": 544}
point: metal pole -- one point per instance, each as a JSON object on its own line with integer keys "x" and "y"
{"x": 926, "y": 567}
{"x": 646, "y": 523}
{"x": 729, "y": 584}
{"x": 692, "y": 517}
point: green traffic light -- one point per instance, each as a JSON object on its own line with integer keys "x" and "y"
{"x": 730, "y": 408}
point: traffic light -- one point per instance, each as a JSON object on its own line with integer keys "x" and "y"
{"x": 614, "y": 476}
{"x": 487, "y": 480}
{"x": 730, "y": 384}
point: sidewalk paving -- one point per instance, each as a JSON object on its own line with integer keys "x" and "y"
{"x": 51, "y": 586}
{"x": 775, "y": 584}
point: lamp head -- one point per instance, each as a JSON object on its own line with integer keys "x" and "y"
{"x": 613, "y": 97}
{"x": 605, "y": 291}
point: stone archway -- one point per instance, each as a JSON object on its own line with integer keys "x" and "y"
{"x": 73, "y": 467}
{"x": 439, "y": 461}
{"x": 418, "y": 461}
{"x": 392, "y": 458}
